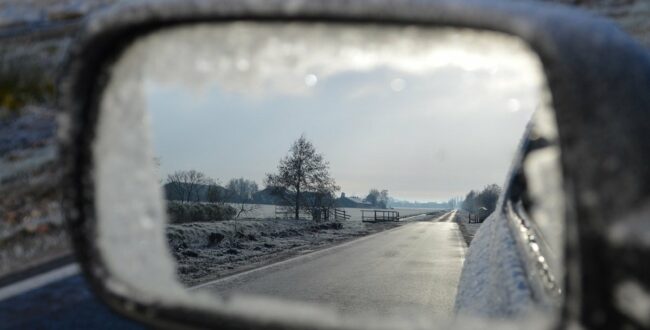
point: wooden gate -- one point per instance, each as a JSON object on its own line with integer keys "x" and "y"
{"x": 379, "y": 215}
{"x": 338, "y": 214}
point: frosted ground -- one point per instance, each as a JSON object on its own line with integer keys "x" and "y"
{"x": 206, "y": 251}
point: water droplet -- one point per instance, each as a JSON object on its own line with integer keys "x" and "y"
{"x": 147, "y": 223}
{"x": 514, "y": 105}
{"x": 534, "y": 247}
{"x": 398, "y": 84}
{"x": 203, "y": 66}
{"x": 242, "y": 64}
{"x": 311, "y": 80}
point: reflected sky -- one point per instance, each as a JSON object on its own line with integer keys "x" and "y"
{"x": 428, "y": 118}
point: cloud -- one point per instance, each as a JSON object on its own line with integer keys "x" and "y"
{"x": 271, "y": 59}
{"x": 425, "y": 113}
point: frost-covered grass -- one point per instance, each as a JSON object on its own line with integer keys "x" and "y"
{"x": 213, "y": 249}
{"x": 467, "y": 229}
{"x": 210, "y": 250}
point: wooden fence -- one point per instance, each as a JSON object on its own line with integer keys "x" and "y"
{"x": 338, "y": 214}
{"x": 379, "y": 215}
{"x": 284, "y": 212}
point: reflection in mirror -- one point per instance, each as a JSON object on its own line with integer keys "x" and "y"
{"x": 346, "y": 165}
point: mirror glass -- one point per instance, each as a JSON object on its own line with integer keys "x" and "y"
{"x": 339, "y": 164}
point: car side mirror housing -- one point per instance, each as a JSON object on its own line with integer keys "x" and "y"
{"x": 597, "y": 79}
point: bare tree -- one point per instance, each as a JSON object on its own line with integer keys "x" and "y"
{"x": 241, "y": 190}
{"x": 302, "y": 172}
{"x": 454, "y": 202}
{"x": 320, "y": 199}
{"x": 185, "y": 185}
{"x": 243, "y": 209}
{"x": 383, "y": 198}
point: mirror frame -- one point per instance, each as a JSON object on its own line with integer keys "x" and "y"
{"x": 598, "y": 78}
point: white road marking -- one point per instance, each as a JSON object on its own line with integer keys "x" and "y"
{"x": 38, "y": 281}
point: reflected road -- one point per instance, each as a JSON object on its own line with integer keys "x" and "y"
{"x": 413, "y": 267}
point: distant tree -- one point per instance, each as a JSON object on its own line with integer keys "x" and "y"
{"x": 377, "y": 198}
{"x": 240, "y": 193}
{"x": 486, "y": 198}
{"x": 373, "y": 197}
{"x": 469, "y": 204}
{"x": 455, "y": 202}
{"x": 302, "y": 172}
{"x": 186, "y": 184}
{"x": 383, "y": 199}
{"x": 241, "y": 190}
{"x": 215, "y": 194}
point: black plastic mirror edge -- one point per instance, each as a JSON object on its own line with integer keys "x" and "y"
{"x": 579, "y": 53}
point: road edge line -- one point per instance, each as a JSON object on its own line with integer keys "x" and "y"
{"x": 38, "y": 281}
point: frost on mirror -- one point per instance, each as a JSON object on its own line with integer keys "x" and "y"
{"x": 347, "y": 165}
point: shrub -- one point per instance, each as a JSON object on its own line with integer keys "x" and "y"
{"x": 198, "y": 212}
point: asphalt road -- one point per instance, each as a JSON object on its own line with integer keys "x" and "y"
{"x": 415, "y": 267}
{"x": 66, "y": 303}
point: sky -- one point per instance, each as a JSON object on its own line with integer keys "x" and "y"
{"x": 425, "y": 120}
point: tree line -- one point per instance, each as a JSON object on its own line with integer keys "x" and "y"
{"x": 302, "y": 182}
{"x": 482, "y": 203}
{"x": 193, "y": 186}
{"x": 378, "y": 199}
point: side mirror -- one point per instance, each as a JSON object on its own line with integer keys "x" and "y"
{"x": 573, "y": 203}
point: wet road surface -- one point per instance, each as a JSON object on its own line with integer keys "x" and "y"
{"x": 414, "y": 267}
